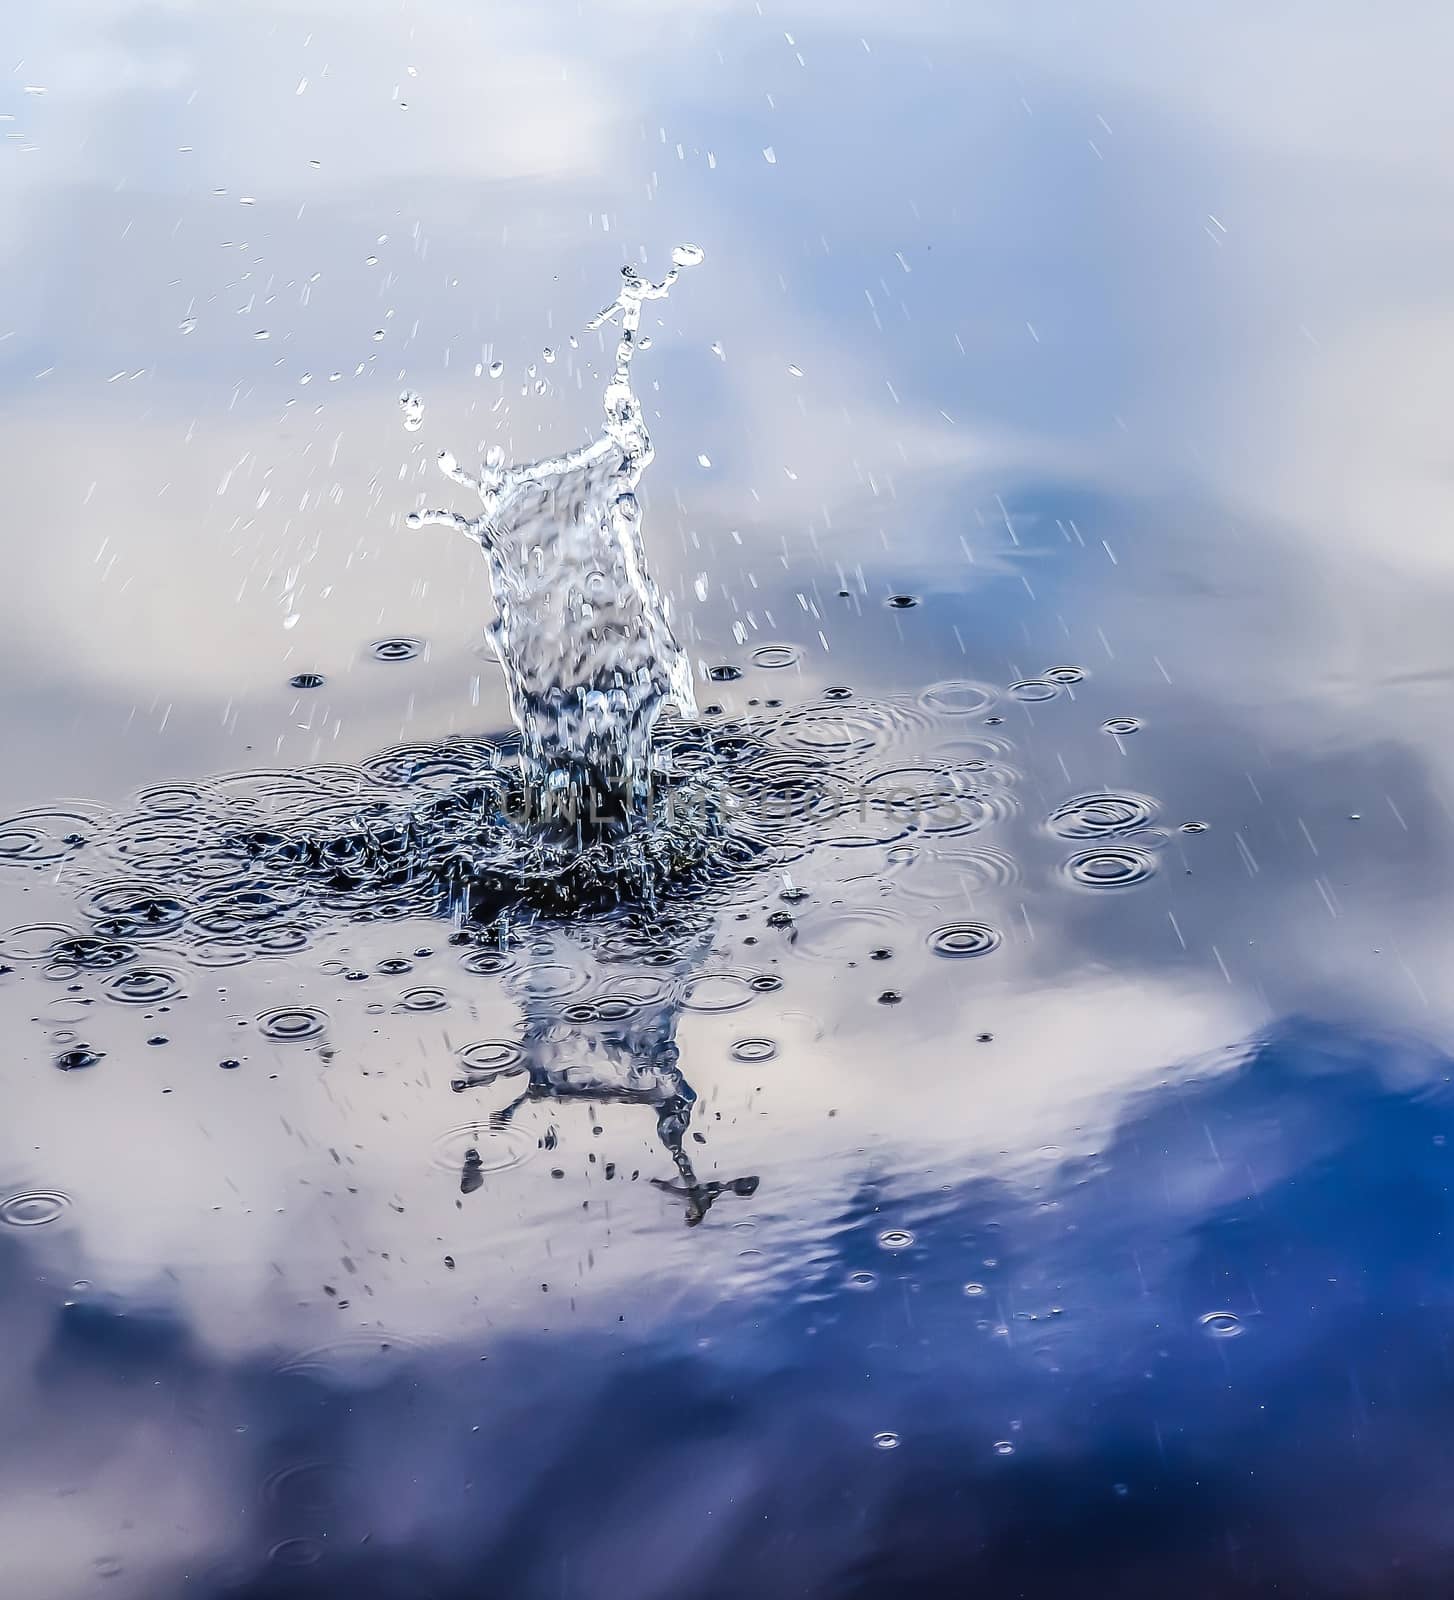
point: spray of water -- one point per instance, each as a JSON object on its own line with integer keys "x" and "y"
{"x": 583, "y": 633}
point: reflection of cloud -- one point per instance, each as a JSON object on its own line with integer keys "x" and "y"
{"x": 1294, "y": 1201}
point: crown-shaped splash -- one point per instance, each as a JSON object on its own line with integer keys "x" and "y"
{"x": 581, "y": 629}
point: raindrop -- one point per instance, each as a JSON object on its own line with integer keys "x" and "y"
{"x": 1121, "y": 727}
{"x": 724, "y": 674}
{"x": 413, "y": 409}
{"x": 307, "y": 680}
{"x": 886, "y": 1441}
{"x": 1222, "y": 1324}
{"x": 78, "y": 1057}
{"x": 895, "y": 1239}
{"x": 1064, "y": 674}
{"x": 903, "y": 602}
{"x": 754, "y": 1050}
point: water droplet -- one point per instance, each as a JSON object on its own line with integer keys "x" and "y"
{"x": 1222, "y": 1324}
{"x": 1121, "y": 727}
{"x": 895, "y": 1239}
{"x": 306, "y": 680}
{"x": 890, "y": 997}
{"x": 1195, "y": 827}
{"x": 974, "y": 1290}
{"x": 725, "y": 673}
{"x": 903, "y": 602}
{"x": 886, "y": 1441}
{"x": 1003, "y": 1447}
{"x": 1064, "y": 675}
{"x": 1032, "y": 689}
{"x": 862, "y": 1280}
{"x": 413, "y": 408}
{"x": 774, "y": 656}
{"x": 687, "y": 255}
{"x": 79, "y": 1057}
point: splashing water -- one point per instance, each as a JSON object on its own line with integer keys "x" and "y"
{"x": 582, "y": 631}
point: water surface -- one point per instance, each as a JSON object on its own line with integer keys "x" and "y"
{"x": 1023, "y": 1163}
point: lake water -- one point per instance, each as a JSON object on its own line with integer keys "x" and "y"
{"x": 999, "y": 1140}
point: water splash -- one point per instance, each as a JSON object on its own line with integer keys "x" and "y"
{"x": 582, "y": 631}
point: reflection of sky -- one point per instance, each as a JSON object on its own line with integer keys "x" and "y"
{"x": 1122, "y": 339}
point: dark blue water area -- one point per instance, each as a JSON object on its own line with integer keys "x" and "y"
{"x": 1213, "y": 1359}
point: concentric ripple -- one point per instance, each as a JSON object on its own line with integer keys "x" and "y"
{"x": 1111, "y": 867}
{"x": 475, "y": 1148}
{"x": 958, "y": 697}
{"x": 399, "y": 648}
{"x": 717, "y": 991}
{"x": 776, "y": 656}
{"x": 43, "y": 835}
{"x": 492, "y": 1057}
{"x": 33, "y": 1210}
{"x": 1102, "y": 815}
{"x": 293, "y": 1024}
{"x": 143, "y": 986}
{"x": 961, "y": 940}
